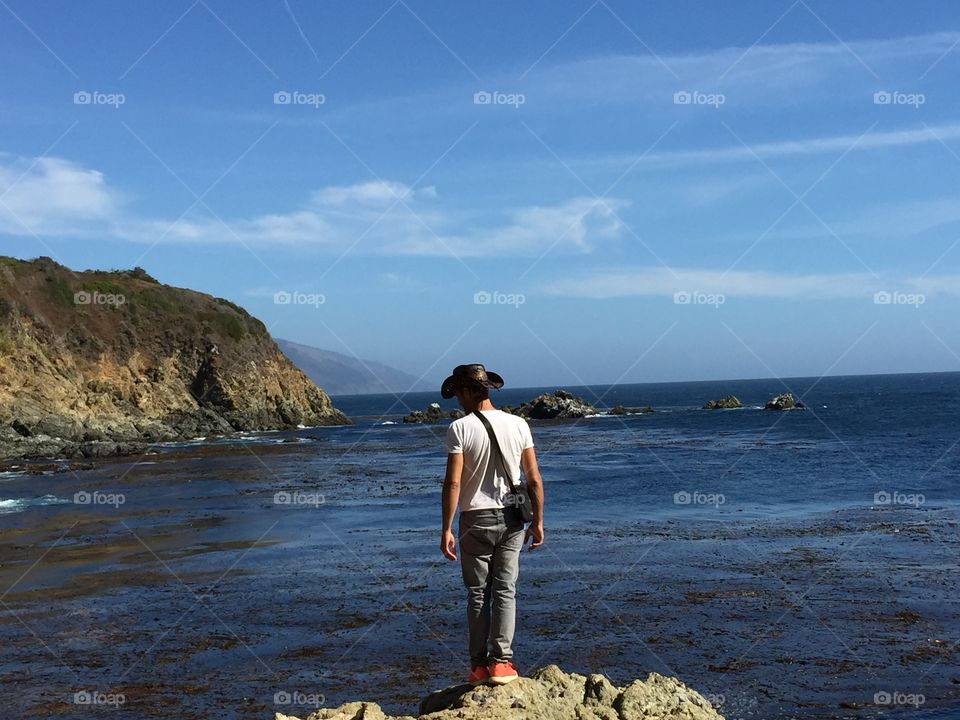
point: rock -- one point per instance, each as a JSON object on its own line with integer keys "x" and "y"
{"x": 433, "y": 414}
{"x": 549, "y": 694}
{"x": 106, "y": 448}
{"x": 559, "y": 406}
{"x": 598, "y": 691}
{"x": 621, "y": 410}
{"x": 662, "y": 698}
{"x": 96, "y": 363}
{"x": 730, "y": 402}
{"x": 786, "y": 401}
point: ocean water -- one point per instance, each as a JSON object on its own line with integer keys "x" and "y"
{"x": 787, "y": 565}
{"x": 862, "y": 435}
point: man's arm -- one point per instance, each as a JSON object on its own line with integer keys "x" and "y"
{"x": 451, "y": 495}
{"x": 528, "y": 461}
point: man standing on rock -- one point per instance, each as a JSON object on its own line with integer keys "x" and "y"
{"x": 491, "y": 532}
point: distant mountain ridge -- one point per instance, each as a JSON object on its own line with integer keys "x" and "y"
{"x": 345, "y": 375}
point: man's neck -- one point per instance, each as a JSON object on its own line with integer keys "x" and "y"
{"x": 483, "y": 405}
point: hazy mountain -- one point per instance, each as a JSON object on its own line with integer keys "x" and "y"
{"x": 345, "y": 375}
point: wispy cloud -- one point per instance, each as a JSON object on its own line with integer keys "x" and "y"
{"x": 58, "y": 198}
{"x": 666, "y": 282}
{"x": 798, "y": 148}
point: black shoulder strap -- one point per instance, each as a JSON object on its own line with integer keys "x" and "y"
{"x": 495, "y": 447}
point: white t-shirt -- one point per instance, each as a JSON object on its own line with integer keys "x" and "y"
{"x": 482, "y": 485}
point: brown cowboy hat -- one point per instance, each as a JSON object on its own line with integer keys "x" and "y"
{"x": 474, "y": 374}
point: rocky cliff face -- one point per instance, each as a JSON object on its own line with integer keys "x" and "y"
{"x": 93, "y": 363}
{"x": 550, "y": 694}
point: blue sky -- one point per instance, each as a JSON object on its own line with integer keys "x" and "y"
{"x": 654, "y": 191}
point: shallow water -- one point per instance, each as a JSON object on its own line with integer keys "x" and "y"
{"x": 784, "y": 564}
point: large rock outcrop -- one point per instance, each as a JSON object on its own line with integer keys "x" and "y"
{"x": 786, "y": 401}
{"x": 97, "y": 363}
{"x": 561, "y": 405}
{"x": 550, "y": 694}
{"x": 730, "y": 402}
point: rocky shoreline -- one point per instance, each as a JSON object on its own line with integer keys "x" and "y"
{"x": 95, "y": 364}
{"x": 548, "y": 694}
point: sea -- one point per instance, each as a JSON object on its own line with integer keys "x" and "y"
{"x": 794, "y": 564}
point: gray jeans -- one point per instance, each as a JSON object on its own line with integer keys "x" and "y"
{"x": 490, "y": 562}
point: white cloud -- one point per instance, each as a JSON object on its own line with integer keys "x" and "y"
{"x": 57, "y": 197}
{"x": 373, "y": 194}
{"x": 577, "y": 224}
{"x": 665, "y": 282}
{"x": 51, "y": 195}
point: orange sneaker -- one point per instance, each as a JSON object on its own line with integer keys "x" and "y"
{"x": 478, "y": 675}
{"x": 502, "y": 673}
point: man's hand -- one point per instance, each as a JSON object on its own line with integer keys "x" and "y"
{"x": 448, "y": 545}
{"x": 535, "y": 536}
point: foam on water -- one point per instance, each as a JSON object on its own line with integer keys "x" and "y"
{"x": 14, "y": 505}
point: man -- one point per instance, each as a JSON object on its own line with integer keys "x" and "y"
{"x": 491, "y": 536}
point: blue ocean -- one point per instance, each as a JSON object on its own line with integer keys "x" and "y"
{"x": 792, "y": 564}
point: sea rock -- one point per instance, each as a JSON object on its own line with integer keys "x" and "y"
{"x": 99, "y": 363}
{"x": 621, "y": 410}
{"x": 560, "y": 405}
{"x": 433, "y": 414}
{"x": 730, "y": 402}
{"x": 549, "y": 694}
{"x": 786, "y": 401}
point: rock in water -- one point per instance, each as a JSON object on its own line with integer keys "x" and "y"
{"x": 786, "y": 401}
{"x": 550, "y": 694}
{"x": 621, "y": 410}
{"x": 730, "y": 402}
{"x": 559, "y": 406}
{"x": 433, "y": 414}
{"x": 98, "y": 363}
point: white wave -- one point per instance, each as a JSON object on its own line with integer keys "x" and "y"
{"x": 13, "y": 505}
{"x": 387, "y": 422}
